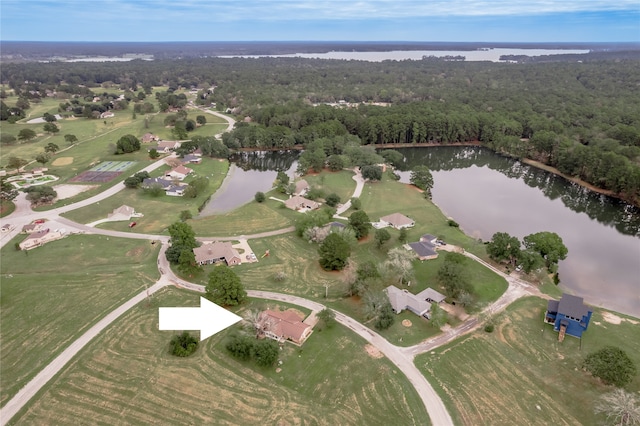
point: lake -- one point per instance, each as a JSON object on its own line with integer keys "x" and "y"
{"x": 486, "y": 193}
{"x": 492, "y": 55}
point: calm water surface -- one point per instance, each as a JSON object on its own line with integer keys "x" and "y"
{"x": 487, "y": 193}
{"x": 250, "y": 172}
{"x": 492, "y": 55}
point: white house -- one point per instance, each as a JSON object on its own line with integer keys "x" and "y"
{"x": 179, "y": 173}
{"x": 397, "y": 220}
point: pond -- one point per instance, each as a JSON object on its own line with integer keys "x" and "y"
{"x": 250, "y": 172}
{"x": 487, "y": 193}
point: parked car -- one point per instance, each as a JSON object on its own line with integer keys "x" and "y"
{"x": 132, "y": 224}
{"x": 38, "y": 221}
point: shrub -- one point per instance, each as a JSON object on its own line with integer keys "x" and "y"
{"x": 453, "y": 223}
{"x": 612, "y": 365}
{"x": 489, "y": 328}
{"x": 183, "y": 345}
{"x": 260, "y": 197}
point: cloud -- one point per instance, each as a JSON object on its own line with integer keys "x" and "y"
{"x": 283, "y": 10}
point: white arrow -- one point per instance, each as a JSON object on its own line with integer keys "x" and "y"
{"x": 209, "y": 318}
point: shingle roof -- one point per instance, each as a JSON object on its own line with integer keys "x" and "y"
{"x": 572, "y": 306}
{"x": 397, "y": 219}
{"x": 214, "y": 251}
{"x": 286, "y": 324}
{"x": 431, "y": 294}
{"x": 402, "y": 299}
{"x": 423, "y": 249}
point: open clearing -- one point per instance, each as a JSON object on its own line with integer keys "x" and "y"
{"x": 62, "y": 161}
{"x": 48, "y": 300}
{"x": 504, "y": 376}
{"x": 67, "y": 191}
{"x": 127, "y": 376}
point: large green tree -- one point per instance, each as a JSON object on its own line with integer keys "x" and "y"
{"x": 504, "y": 247}
{"x": 421, "y": 177}
{"x": 549, "y": 245}
{"x": 360, "y": 223}
{"x": 334, "y": 252}
{"x": 26, "y": 134}
{"x": 225, "y": 287}
{"x": 453, "y": 275}
{"x": 127, "y": 144}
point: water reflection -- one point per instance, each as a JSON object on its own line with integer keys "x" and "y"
{"x": 487, "y": 193}
{"x": 609, "y": 211}
{"x": 250, "y": 172}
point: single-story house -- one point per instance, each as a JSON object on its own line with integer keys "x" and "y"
{"x": 167, "y": 146}
{"x": 403, "y": 299}
{"x": 302, "y": 187}
{"x": 39, "y": 238}
{"x": 179, "y": 173}
{"x": 419, "y": 304}
{"x": 284, "y": 325}
{"x": 425, "y": 248}
{"x": 149, "y": 182}
{"x": 175, "y": 190}
{"x": 300, "y": 203}
{"x": 191, "y": 159}
{"x": 218, "y": 251}
{"x": 123, "y": 213}
{"x": 569, "y": 315}
{"x": 397, "y": 220}
{"x": 431, "y": 296}
{"x": 149, "y": 137}
{"x": 32, "y": 227}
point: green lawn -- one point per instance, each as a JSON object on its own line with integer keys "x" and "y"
{"x": 503, "y": 377}
{"x": 341, "y": 183}
{"x": 126, "y": 376}
{"x": 51, "y": 294}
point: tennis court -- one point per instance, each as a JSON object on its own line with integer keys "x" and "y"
{"x": 103, "y": 172}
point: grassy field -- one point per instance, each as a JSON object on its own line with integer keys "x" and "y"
{"x": 126, "y": 376}
{"x": 503, "y": 377}
{"x": 50, "y": 295}
{"x": 159, "y": 212}
{"x": 341, "y": 183}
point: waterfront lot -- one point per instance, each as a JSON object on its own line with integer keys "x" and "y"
{"x": 504, "y": 376}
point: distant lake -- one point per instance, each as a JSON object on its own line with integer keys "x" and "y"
{"x": 492, "y": 55}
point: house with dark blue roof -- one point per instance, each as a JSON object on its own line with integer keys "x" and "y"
{"x": 569, "y": 315}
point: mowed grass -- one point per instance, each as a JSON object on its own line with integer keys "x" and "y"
{"x": 51, "y": 294}
{"x": 340, "y": 183}
{"x": 504, "y": 376}
{"x": 159, "y": 212}
{"x": 127, "y": 376}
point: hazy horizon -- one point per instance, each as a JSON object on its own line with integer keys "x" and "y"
{"x": 499, "y": 21}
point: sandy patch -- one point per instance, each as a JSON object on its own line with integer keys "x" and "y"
{"x": 406, "y": 323}
{"x": 614, "y": 319}
{"x": 62, "y": 161}
{"x": 373, "y": 351}
{"x": 611, "y": 318}
{"x": 67, "y": 191}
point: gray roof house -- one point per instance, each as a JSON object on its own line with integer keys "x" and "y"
{"x": 301, "y": 204}
{"x": 419, "y": 304}
{"x": 425, "y": 248}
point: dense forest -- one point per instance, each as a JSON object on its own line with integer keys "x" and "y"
{"x": 581, "y": 117}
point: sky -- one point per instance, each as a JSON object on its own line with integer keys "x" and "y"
{"x": 321, "y": 20}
